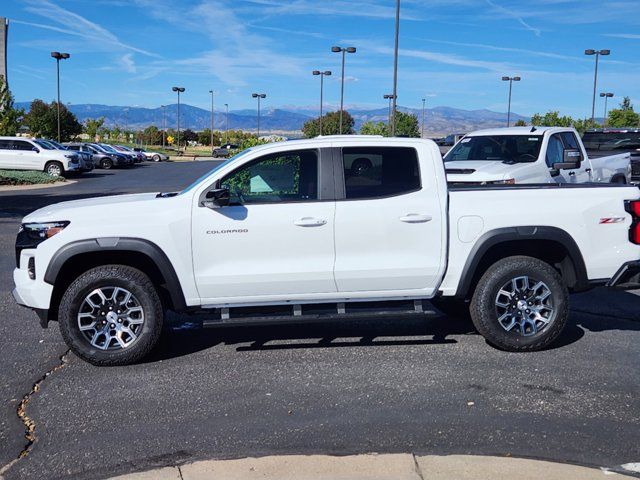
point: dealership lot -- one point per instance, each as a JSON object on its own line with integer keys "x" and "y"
{"x": 422, "y": 385}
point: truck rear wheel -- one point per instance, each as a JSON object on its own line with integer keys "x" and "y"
{"x": 520, "y": 304}
{"x": 111, "y": 315}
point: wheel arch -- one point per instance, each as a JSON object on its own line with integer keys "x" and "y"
{"x": 549, "y": 244}
{"x": 75, "y": 258}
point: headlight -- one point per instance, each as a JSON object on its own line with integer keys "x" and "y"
{"x": 42, "y": 231}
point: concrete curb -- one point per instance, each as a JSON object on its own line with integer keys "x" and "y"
{"x": 375, "y": 467}
{"x": 38, "y": 186}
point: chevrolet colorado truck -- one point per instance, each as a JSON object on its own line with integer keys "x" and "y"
{"x": 530, "y": 155}
{"x": 296, "y": 231}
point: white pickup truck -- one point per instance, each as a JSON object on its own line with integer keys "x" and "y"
{"x": 530, "y": 155}
{"x": 299, "y": 230}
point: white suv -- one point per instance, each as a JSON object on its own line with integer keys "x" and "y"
{"x": 17, "y": 153}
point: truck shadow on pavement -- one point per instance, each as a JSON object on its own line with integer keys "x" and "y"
{"x": 184, "y": 336}
{"x": 22, "y": 203}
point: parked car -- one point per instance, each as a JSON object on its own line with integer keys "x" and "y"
{"x": 19, "y": 153}
{"x": 530, "y": 155}
{"x": 281, "y": 228}
{"x": 123, "y": 160}
{"x": 100, "y": 159}
{"x": 451, "y": 139}
{"x": 600, "y": 142}
{"x": 86, "y": 160}
{"x": 154, "y": 156}
{"x": 138, "y": 157}
{"x": 110, "y": 148}
{"x": 225, "y": 150}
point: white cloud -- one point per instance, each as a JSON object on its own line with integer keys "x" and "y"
{"x": 514, "y": 15}
{"x": 126, "y": 61}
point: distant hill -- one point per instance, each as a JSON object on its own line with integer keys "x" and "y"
{"x": 439, "y": 120}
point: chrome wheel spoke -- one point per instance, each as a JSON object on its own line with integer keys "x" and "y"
{"x": 524, "y": 306}
{"x": 110, "y": 318}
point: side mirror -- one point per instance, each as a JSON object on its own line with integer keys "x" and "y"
{"x": 35, "y": 149}
{"x": 571, "y": 160}
{"x": 218, "y": 197}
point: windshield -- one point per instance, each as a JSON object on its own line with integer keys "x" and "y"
{"x": 108, "y": 148}
{"x": 215, "y": 169}
{"x": 56, "y": 145}
{"x": 501, "y": 148}
{"x": 45, "y": 145}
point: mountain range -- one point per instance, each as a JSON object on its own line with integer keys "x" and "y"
{"x": 285, "y": 120}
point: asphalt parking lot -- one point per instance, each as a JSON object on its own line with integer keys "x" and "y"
{"x": 424, "y": 385}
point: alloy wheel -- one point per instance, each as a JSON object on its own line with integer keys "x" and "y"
{"x": 524, "y": 306}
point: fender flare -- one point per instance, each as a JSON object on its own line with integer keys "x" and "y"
{"x": 120, "y": 244}
{"x": 526, "y": 233}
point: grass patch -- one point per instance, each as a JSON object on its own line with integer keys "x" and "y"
{"x": 26, "y": 177}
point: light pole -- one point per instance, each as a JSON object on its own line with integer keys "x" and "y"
{"x": 597, "y": 53}
{"x": 389, "y": 97}
{"x": 59, "y": 56}
{"x": 259, "y": 96}
{"x": 226, "y": 123}
{"x": 607, "y": 96}
{"x": 164, "y": 125}
{"x": 322, "y": 74}
{"x": 212, "y": 118}
{"x": 510, "y": 80}
{"x": 424, "y": 101}
{"x": 344, "y": 51}
{"x": 395, "y": 71}
{"x": 126, "y": 124}
{"x": 178, "y": 90}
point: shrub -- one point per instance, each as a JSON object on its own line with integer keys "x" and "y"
{"x": 18, "y": 177}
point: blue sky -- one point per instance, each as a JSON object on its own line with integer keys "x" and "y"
{"x": 453, "y": 52}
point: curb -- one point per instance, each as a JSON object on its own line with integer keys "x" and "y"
{"x": 38, "y": 186}
{"x": 376, "y": 467}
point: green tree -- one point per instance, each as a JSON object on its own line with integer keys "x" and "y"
{"x": 115, "y": 133}
{"x": 551, "y": 119}
{"x": 204, "y": 137}
{"x": 92, "y": 126}
{"x": 520, "y": 123}
{"x": 9, "y": 116}
{"x": 407, "y": 125}
{"x": 42, "y": 121}
{"x": 151, "y": 135}
{"x": 370, "y": 128}
{"x": 330, "y": 125}
{"x": 623, "y": 116}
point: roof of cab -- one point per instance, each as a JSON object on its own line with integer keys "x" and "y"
{"x": 516, "y": 131}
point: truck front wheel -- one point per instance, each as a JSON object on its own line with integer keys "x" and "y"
{"x": 111, "y": 315}
{"x": 520, "y": 304}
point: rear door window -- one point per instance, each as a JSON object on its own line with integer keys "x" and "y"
{"x": 371, "y": 172}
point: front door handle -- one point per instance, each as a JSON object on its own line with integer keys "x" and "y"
{"x": 572, "y": 174}
{"x": 310, "y": 222}
{"x": 415, "y": 218}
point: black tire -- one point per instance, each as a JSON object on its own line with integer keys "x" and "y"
{"x": 106, "y": 163}
{"x": 619, "y": 179}
{"x": 485, "y": 311}
{"x": 145, "y": 294}
{"x": 54, "y": 169}
{"x": 156, "y": 158}
{"x": 452, "y": 307}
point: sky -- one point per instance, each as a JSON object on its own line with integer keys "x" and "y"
{"x": 452, "y": 52}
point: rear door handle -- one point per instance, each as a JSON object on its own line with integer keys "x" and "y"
{"x": 415, "y": 218}
{"x": 310, "y": 222}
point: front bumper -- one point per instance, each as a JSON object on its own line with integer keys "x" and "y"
{"x": 627, "y": 277}
{"x": 43, "y": 313}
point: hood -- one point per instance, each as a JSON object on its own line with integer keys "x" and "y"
{"x": 68, "y": 210}
{"x": 481, "y": 170}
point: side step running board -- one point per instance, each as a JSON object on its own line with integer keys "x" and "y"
{"x": 317, "y": 312}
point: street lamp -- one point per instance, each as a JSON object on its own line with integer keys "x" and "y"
{"x": 259, "y": 96}
{"x": 164, "y": 125}
{"x": 389, "y": 97}
{"x": 178, "y": 90}
{"x": 126, "y": 124}
{"x": 212, "y": 118}
{"x": 321, "y": 74}
{"x": 510, "y": 80}
{"x": 344, "y": 51}
{"x": 59, "y": 56}
{"x": 597, "y": 53}
{"x": 395, "y": 71}
{"x": 607, "y": 96}
{"x": 226, "y": 123}
{"x": 424, "y": 100}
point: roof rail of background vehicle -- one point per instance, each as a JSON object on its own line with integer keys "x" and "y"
{"x": 530, "y": 130}
{"x": 614, "y": 130}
